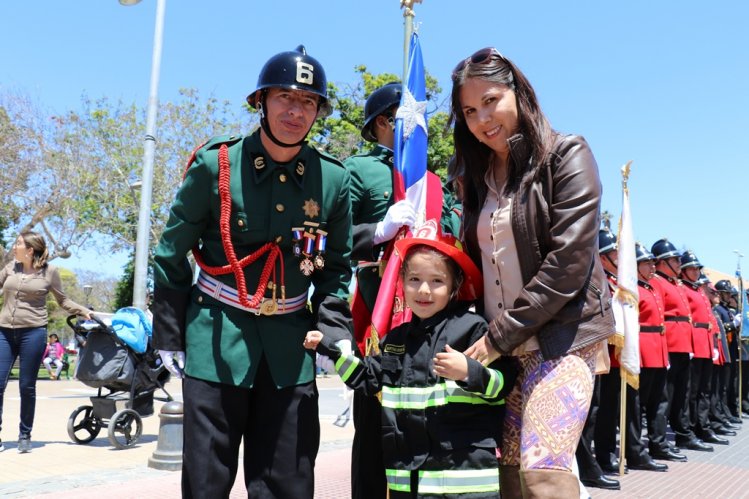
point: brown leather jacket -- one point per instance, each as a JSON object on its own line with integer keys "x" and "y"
{"x": 555, "y": 218}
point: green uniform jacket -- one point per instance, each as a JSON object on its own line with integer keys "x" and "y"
{"x": 223, "y": 343}
{"x": 371, "y": 196}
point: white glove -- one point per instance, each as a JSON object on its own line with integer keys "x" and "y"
{"x": 398, "y": 215}
{"x": 736, "y": 318}
{"x": 691, "y": 355}
{"x": 344, "y": 346}
{"x": 174, "y": 362}
{"x": 716, "y": 354}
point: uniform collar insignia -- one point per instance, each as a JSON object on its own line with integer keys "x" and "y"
{"x": 263, "y": 167}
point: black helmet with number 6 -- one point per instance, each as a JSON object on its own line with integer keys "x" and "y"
{"x": 606, "y": 241}
{"x": 642, "y": 254}
{"x": 297, "y": 71}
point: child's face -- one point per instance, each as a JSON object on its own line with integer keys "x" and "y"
{"x": 427, "y": 284}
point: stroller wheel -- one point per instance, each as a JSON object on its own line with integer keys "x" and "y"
{"x": 83, "y": 426}
{"x": 125, "y": 428}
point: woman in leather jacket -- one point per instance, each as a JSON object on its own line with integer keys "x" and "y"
{"x": 531, "y": 217}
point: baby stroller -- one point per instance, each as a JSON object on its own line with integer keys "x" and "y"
{"x": 131, "y": 378}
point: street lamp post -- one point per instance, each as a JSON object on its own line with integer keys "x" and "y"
{"x": 149, "y": 149}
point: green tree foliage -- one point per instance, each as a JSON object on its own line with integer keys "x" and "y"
{"x": 75, "y": 175}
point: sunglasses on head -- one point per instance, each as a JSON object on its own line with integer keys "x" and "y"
{"x": 479, "y": 57}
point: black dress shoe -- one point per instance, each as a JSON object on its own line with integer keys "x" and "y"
{"x": 612, "y": 468}
{"x": 728, "y": 426}
{"x": 712, "y": 438}
{"x": 696, "y": 445}
{"x": 669, "y": 456}
{"x": 725, "y": 432}
{"x": 734, "y": 420}
{"x": 647, "y": 466}
{"x": 601, "y": 482}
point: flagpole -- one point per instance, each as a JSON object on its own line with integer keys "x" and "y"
{"x": 740, "y": 308}
{"x": 408, "y": 29}
{"x": 622, "y": 377}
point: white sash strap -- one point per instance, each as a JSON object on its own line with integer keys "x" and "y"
{"x": 226, "y": 294}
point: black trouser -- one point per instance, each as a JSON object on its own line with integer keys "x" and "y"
{"x": 745, "y": 386}
{"x": 607, "y": 420}
{"x": 652, "y": 395}
{"x": 281, "y": 432}
{"x": 586, "y": 462}
{"x": 700, "y": 375}
{"x": 732, "y": 387}
{"x": 677, "y": 388}
{"x": 718, "y": 411}
{"x": 367, "y": 468}
{"x": 634, "y": 450}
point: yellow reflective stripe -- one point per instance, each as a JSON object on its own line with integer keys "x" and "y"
{"x": 398, "y": 480}
{"x": 458, "y": 481}
{"x": 431, "y": 396}
{"x": 445, "y": 481}
{"x": 345, "y": 366}
{"x": 496, "y": 382}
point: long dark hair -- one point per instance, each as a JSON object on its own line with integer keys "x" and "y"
{"x": 475, "y": 156}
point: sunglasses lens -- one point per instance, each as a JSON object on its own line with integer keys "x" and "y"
{"x": 482, "y": 55}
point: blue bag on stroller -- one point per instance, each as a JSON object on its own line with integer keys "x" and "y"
{"x": 133, "y": 327}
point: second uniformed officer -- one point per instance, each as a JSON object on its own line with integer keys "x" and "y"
{"x": 267, "y": 217}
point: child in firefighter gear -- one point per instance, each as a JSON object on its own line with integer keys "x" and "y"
{"x": 267, "y": 217}
{"x": 441, "y": 411}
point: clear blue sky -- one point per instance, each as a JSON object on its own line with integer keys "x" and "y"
{"x": 664, "y": 84}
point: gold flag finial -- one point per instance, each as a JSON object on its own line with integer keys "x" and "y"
{"x": 625, "y": 172}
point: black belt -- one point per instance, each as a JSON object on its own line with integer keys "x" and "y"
{"x": 702, "y": 325}
{"x": 652, "y": 329}
{"x": 678, "y": 318}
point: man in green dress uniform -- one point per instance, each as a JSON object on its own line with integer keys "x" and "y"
{"x": 267, "y": 217}
{"x": 376, "y": 220}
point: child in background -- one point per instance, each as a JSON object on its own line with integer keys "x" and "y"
{"x": 442, "y": 411}
{"x": 53, "y": 355}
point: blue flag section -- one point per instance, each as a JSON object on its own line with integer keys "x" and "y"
{"x": 411, "y": 134}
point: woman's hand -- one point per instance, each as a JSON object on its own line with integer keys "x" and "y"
{"x": 483, "y": 351}
{"x": 312, "y": 339}
{"x": 451, "y": 364}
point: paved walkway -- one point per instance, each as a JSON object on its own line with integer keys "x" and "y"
{"x": 60, "y": 468}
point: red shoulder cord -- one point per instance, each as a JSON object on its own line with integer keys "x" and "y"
{"x": 235, "y": 266}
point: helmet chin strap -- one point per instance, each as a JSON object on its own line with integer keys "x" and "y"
{"x": 266, "y": 127}
{"x": 676, "y": 273}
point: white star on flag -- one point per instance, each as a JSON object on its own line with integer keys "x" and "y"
{"x": 411, "y": 112}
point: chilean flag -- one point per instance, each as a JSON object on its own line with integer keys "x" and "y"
{"x": 411, "y": 134}
{"x": 411, "y": 181}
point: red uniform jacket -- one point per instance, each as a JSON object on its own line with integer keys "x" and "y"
{"x": 653, "y": 343}
{"x": 702, "y": 334}
{"x": 676, "y": 313}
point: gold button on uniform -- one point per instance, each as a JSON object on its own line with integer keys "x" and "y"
{"x": 282, "y": 178}
{"x": 240, "y": 223}
{"x": 200, "y": 299}
{"x": 280, "y": 208}
{"x": 279, "y": 239}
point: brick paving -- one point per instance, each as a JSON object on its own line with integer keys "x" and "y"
{"x": 61, "y": 468}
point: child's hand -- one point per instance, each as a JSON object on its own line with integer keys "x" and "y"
{"x": 312, "y": 339}
{"x": 451, "y": 364}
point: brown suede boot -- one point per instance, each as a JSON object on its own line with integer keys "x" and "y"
{"x": 509, "y": 482}
{"x": 549, "y": 484}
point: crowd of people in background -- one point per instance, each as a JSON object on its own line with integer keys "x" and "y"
{"x": 690, "y": 350}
